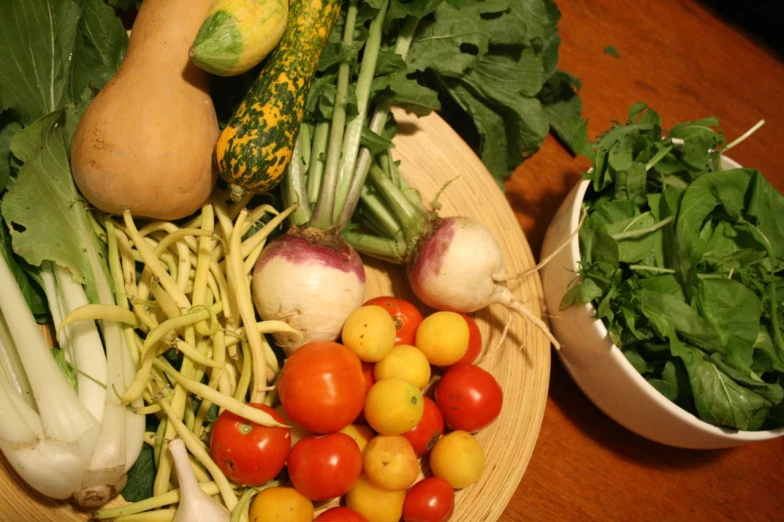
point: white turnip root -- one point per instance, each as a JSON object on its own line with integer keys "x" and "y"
{"x": 458, "y": 265}
{"x": 312, "y": 280}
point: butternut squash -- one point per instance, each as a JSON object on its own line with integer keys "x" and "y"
{"x": 145, "y": 142}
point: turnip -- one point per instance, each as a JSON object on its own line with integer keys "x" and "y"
{"x": 311, "y": 278}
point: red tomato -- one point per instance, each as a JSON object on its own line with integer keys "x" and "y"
{"x": 340, "y": 514}
{"x": 474, "y": 341}
{"x": 248, "y": 453}
{"x": 324, "y": 467}
{"x": 367, "y": 372}
{"x": 370, "y": 379}
{"x": 428, "y": 430}
{"x": 322, "y": 387}
{"x": 469, "y": 397}
{"x": 431, "y": 499}
{"x": 405, "y": 314}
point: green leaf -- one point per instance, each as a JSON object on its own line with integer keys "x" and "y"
{"x": 720, "y": 400}
{"x": 8, "y": 128}
{"x": 612, "y": 51}
{"x": 449, "y": 45}
{"x": 417, "y": 8}
{"x": 734, "y": 312}
{"x": 564, "y": 111}
{"x": 53, "y": 50}
{"x": 766, "y": 206}
{"x": 375, "y": 143}
{"x": 667, "y": 312}
{"x": 141, "y": 477}
{"x": 44, "y": 209}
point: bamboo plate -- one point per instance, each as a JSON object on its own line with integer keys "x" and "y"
{"x": 432, "y": 154}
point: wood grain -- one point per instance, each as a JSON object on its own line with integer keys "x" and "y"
{"x": 687, "y": 64}
{"x": 432, "y": 154}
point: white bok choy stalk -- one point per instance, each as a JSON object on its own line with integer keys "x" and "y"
{"x": 63, "y": 442}
{"x": 49, "y": 442}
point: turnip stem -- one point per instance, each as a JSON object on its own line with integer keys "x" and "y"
{"x": 316, "y": 168}
{"x": 325, "y": 207}
{"x": 293, "y": 188}
{"x": 383, "y": 218}
{"x": 263, "y": 233}
{"x": 385, "y": 249}
{"x": 377, "y": 122}
{"x": 353, "y": 130}
{"x": 410, "y": 217}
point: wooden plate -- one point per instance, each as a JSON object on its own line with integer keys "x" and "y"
{"x": 433, "y": 154}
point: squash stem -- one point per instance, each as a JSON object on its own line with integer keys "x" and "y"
{"x": 377, "y": 123}
{"x": 354, "y": 127}
{"x": 323, "y": 213}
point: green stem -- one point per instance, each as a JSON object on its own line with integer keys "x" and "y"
{"x": 293, "y": 189}
{"x": 657, "y": 269}
{"x": 377, "y": 123}
{"x": 322, "y": 214}
{"x": 658, "y": 157}
{"x": 382, "y": 217}
{"x": 354, "y": 128}
{"x": 317, "y": 153}
{"x": 640, "y": 232}
{"x": 408, "y": 215}
{"x": 389, "y": 250}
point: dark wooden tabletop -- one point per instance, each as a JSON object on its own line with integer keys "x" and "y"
{"x": 687, "y": 63}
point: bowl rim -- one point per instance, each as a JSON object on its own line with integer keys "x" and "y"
{"x": 615, "y": 352}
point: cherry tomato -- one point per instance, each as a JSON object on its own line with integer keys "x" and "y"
{"x": 389, "y": 462}
{"x": 406, "y": 362}
{"x": 443, "y": 337}
{"x": 428, "y": 430}
{"x": 323, "y": 467}
{"x": 430, "y": 500}
{"x": 474, "y": 341}
{"x": 249, "y": 454}
{"x": 370, "y": 333}
{"x": 405, "y": 314}
{"x": 393, "y": 406}
{"x": 361, "y": 433}
{"x": 322, "y": 387}
{"x": 469, "y": 397}
{"x": 457, "y": 458}
{"x": 278, "y": 504}
{"x": 375, "y": 503}
{"x": 340, "y": 514}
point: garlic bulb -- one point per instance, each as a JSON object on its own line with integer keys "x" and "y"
{"x": 195, "y": 504}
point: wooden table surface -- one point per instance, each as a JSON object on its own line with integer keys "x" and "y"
{"x": 685, "y": 62}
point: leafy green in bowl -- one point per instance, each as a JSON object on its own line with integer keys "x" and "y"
{"x": 682, "y": 260}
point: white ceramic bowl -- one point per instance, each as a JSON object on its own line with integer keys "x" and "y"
{"x": 600, "y": 369}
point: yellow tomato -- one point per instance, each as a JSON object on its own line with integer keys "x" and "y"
{"x": 297, "y": 431}
{"x": 370, "y": 333}
{"x": 393, "y": 406}
{"x": 360, "y": 433}
{"x": 457, "y": 458}
{"x": 443, "y": 338}
{"x": 279, "y": 504}
{"x": 389, "y": 461}
{"x": 375, "y": 503}
{"x": 405, "y": 362}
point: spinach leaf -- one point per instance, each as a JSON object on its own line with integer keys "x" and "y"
{"x": 683, "y": 264}
{"x": 720, "y": 400}
{"x": 140, "y": 477}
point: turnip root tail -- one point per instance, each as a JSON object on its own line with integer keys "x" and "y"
{"x": 504, "y": 297}
{"x": 502, "y": 278}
